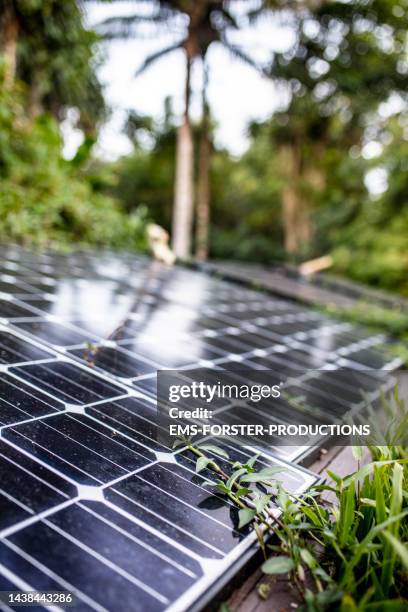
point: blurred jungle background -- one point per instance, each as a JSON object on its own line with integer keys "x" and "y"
{"x": 323, "y": 169}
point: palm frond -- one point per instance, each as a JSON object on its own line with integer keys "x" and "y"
{"x": 154, "y": 57}
{"x": 240, "y": 55}
{"x": 125, "y": 27}
{"x": 228, "y": 19}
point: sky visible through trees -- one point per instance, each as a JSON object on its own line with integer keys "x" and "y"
{"x": 308, "y": 159}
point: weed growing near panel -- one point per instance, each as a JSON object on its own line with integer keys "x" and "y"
{"x": 345, "y": 544}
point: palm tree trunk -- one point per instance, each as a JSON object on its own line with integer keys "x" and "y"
{"x": 9, "y": 38}
{"x": 290, "y": 200}
{"x": 203, "y": 186}
{"x": 183, "y": 190}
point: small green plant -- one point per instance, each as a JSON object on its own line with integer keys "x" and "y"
{"x": 344, "y": 544}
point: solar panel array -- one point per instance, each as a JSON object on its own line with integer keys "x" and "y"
{"x": 90, "y": 500}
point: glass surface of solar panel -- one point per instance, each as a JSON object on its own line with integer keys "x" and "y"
{"x": 91, "y": 500}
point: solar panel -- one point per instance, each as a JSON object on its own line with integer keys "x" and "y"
{"x": 92, "y": 500}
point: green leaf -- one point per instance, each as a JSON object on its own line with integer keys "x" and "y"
{"x": 178, "y": 443}
{"x": 235, "y": 476}
{"x": 390, "y": 605}
{"x": 312, "y": 516}
{"x": 208, "y": 483}
{"x": 214, "y": 449}
{"x": 278, "y": 565}
{"x": 361, "y": 548}
{"x": 246, "y": 515}
{"x": 251, "y": 462}
{"x": 366, "y": 501}
{"x": 389, "y": 554}
{"x": 366, "y": 470}
{"x": 308, "y": 558}
{"x": 400, "y": 548}
{"x": 202, "y": 463}
{"x": 221, "y": 487}
{"x": 334, "y": 477}
{"x": 243, "y": 491}
{"x": 347, "y": 507}
{"x": 348, "y": 604}
{"x": 262, "y": 502}
{"x": 357, "y": 452}
{"x": 262, "y": 476}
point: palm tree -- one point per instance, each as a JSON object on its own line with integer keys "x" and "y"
{"x": 207, "y": 22}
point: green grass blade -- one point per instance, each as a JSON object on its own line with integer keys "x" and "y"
{"x": 400, "y": 549}
{"x": 389, "y": 554}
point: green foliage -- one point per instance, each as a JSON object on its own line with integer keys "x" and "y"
{"x": 42, "y": 197}
{"x": 373, "y": 248}
{"x": 56, "y": 59}
{"x": 349, "y": 553}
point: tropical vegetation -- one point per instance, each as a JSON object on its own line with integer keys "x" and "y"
{"x": 305, "y": 187}
{"x": 344, "y": 544}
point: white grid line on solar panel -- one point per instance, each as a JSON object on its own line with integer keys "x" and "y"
{"x": 12, "y": 280}
{"x": 22, "y": 585}
{"x": 156, "y": 532}
{"x": 67, "y": 586}
{"x": 40, "y": 516}
{"x": 102, "y": 558}
{"x": 30, "y": 473}
{"x": 193, "y": 484}
{"x": 70, "y": 362}
{"x": 13, "y": 333}
{"x": 67, "y": 478}
{"x": 127, "y": 392}
{"x": 34, "y": 518}
{"x": 139, "y": 541}
{"x": 16, "y": 501}
{"x": 159, "y": 534}
{"x": 113, "y": 566}
{"x": 363, "y": 343}
{"x": 120, "y": 424}
{"x": 58, "y": 321}
{"x": 45, "y": 422}
{"x": 31, "y": 420}
{"x": 168, "y": 522}
{"x": 10, "y": 300}
{"x": 38, "y": 461}
{"x": 39, "y": 284}
{"x": 18, "y": 408}
{"x": 116, "y": 440}
{"x": 101, "y": 400}
{"x": 118, "y": 435}
{"x": 313, "y": 411}
{"x": 391, "y": 365}
{"x": 47, "y": 450}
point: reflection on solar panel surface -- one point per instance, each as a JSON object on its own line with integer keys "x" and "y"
{"x": 91, "y": 500}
